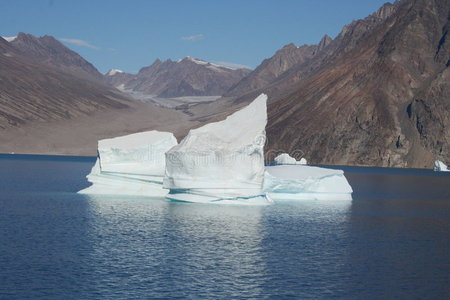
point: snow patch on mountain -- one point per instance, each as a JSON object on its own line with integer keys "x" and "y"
{"x": 9, "y": 38}
{"x": 208, "y": 64}
{"x": 113, "y": 72}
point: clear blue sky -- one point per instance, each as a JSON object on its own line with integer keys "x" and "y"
{"x": 131, "y": 34}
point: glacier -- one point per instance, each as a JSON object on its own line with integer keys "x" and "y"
{"x": 301, "y": 182}
{"x": 440, "y": 166}
{"x": 131, "y": 165}
{"x": 286, "y": 159}
{"x": 221, "y": 162}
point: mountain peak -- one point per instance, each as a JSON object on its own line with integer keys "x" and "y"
{"x": 195, "y": 60}
{"x": 156, "y": 62}
{"x": 24, "y": 37}
{"x": 385, "y": 11}
{"x": 290, "y": 46}
{"x": 52, "y": 52}
{"x": 113, "y": 72}
{"x": 325, "y": 41}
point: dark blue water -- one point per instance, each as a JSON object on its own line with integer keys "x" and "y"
{"x": 391, "y": 241}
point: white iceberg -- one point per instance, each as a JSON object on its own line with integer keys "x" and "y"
{"x": 222, "y": 161}
{"x": 298, "y": 182}
{"x": 286, "y": 159}
{"x": 440, "y": 166}
{"x": 131, "y": 165}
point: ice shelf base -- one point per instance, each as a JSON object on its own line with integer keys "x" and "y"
{"x": 131, "y": 165}
{"x": 301, "y": 182}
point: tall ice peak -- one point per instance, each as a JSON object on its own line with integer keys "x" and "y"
{"x": 222, "y": 160}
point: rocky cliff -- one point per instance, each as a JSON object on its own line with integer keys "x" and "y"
{"x": 377, "y": 95}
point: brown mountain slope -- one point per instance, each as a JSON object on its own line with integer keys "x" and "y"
{"x": 319, "y": 56}
{"x": 48, "y": 111}
{"x": 271, "y": 68}
{"x": 32, "y": 91}
{"x": 383, "y": 101}
{"x": 49, "y": 51}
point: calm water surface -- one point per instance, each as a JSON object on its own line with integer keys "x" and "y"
{"x": 391, "y": 241}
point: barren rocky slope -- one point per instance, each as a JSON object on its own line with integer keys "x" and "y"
{"x": 383, "y": 100}
{"x": 49, "y": 51}
{"x": 33, "y": 91}
{"x": 44, "y": 109}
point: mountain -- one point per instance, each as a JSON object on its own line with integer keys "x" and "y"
{"x": 117, "y": 78}
{"x": 271, "y": 68}
{"x": 50, "y": 51}
{"x": 31, "y": 90}
{"x": 298, "y": 63}
{"x": 186, "y": 77}
{"x": 378, "y": 94}
{"x": 44, "y": 109}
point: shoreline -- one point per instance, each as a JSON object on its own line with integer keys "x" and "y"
{"x": 93, "y": 158}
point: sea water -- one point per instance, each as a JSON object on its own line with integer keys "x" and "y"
{"x": 391, "y": 241}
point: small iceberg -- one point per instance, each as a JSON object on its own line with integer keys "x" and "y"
{"x": 300, "y": 182}
{"x": 131, "y": 165}
{"x": 222, "y": 161}
{"x": 439, "y": 166}
{"x": 286, "y": 159}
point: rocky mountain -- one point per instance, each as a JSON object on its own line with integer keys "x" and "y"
{"x": 378, "y": 94}
{"x": 31, "y": 90}
{"x": 49, "y": 51}
{"x": 300, "y": 62}
{"x": 186, "y": 77}
{"x": 117, "y": 78}
{"x": 45, "y": 110}
{"x": 271, "y": 68}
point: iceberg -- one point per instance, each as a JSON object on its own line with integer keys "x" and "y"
{"x": 286, "y": 159}
{"x": 440, "y": 166}
{"x": 221, "y": 162}
{"x": 131, "y": 165}
{"x": 300, "y": 182}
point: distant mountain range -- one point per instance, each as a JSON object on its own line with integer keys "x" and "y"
{"x": 43, "y": 80}
{"x": 377, "y": 94}
{"x": 186, "y": 77}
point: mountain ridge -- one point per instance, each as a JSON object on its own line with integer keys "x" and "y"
{"x": 186, "y": 77}
{"x": 354, "y": 110}
{"x": 50, "y": 51}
